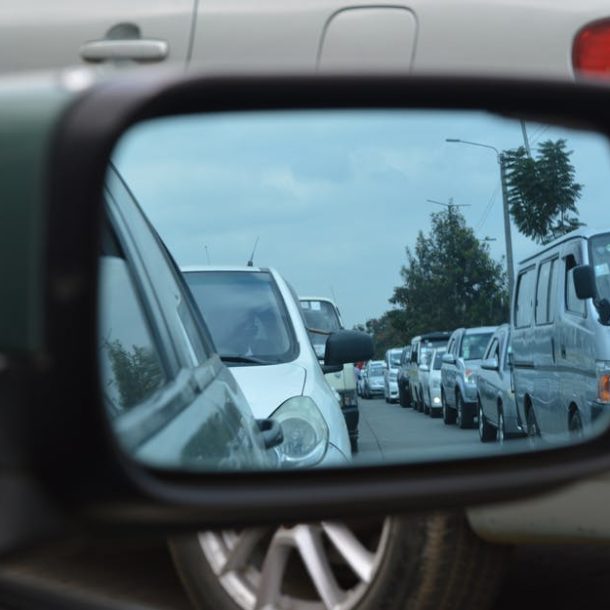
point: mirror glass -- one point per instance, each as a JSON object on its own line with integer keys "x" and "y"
{"x": 286, "y": 290}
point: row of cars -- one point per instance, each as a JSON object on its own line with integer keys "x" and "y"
{"x": 547, "y": 373}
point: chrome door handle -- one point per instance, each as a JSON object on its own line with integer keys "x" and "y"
{"x": 141, "y": 49}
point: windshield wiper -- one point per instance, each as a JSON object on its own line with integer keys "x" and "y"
{"x": 235, "y": 358}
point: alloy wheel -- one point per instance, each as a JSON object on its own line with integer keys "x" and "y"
{"x": 315, "y": 566}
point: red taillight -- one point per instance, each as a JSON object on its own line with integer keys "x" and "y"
{"x": 591, "y": 51}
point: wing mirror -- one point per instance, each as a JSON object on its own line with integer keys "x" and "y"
{"x": 490, "y": 364}
{"x": 155, "y": 423}
{"x": 448, "y": 359}
{"x": 344, "y": 346}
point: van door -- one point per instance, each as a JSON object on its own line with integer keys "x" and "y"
{"x": 544, "y": 341}
{"x": 576, "y": 345}
{"x": 522, "y": 321}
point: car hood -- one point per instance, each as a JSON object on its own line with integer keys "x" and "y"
{"x": 267, "y": 387}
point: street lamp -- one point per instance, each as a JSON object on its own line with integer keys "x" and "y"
{"x": 507, "y": 234}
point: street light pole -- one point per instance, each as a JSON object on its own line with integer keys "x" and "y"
{"x": 510, "y": 272}
{"x": 507, "y": 232}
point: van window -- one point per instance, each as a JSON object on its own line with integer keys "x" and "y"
{"x": 553, "y": 290}
{"x": 525, "y": 298}
{"x": 545, "y": 293}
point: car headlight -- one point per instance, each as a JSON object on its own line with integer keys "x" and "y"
{"x": 305, "y": 433}
{"x": 469, "y": 376}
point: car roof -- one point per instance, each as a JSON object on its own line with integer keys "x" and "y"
{"x": 480, "y": 329}
{"x": 581, "y": 233}
{"x": 190, "y": 268}
{"x": 317, "y": 299}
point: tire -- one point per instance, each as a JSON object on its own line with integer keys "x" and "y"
{"x": 449, "y": 415}
{"x": 486, "y": 431}
{"x": 501, "y": 432}
{"x": 462, "y": 420}
{"x": 432, "y": 562}
{"x": 533, "y": 432}
{"x": 575, "y": 425}
{"x": 354, "y": 444}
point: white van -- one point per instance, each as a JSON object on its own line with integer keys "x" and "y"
{"x": 323, "y": 315}
{"x": 561, "y": 336}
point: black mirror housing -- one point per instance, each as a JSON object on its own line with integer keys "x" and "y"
{"x": 344, "y": 346}
{"x": 584, "y": 282}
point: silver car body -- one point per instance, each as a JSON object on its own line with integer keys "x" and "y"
{"x": 431, "y": 381}
{"x": 561, "y": 351}
{"x": 390, "y": 374}
{"x": 267, "y": 387}
{"x": 457, "y": 377}
{"x": 495, "y": 386}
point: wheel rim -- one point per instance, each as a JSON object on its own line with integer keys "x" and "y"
{"x": 458, "y": 403}
{"x": 480, "y": 420}
{"x": 500, "y": 432}
{"x": 314, "y": 566}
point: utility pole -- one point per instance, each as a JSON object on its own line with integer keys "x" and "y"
{"x": 449, "y": 205}
{"x": 526, "y": 141}
{"x": 507, "y": 234}
{"x": 501, "y": 159}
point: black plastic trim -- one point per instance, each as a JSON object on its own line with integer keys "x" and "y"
{"x": 80, "y": 462}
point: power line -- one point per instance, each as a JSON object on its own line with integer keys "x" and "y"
{"x": 488, "y": 208}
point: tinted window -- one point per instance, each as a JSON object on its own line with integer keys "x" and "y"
{"x": 245, "y": 314}
{"x": 131, "y": 367}
{"x": 319, "y": 315}
{"x": 525, "y": 298}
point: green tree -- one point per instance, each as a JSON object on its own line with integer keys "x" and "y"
{"x": 386, "y": 332}
{"x": 542, "y": 191}
{"x": 450, "y": 280}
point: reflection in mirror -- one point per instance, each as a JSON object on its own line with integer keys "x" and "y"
{"x": 391, "y": 286}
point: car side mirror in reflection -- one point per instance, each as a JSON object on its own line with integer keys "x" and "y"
{"x": 490, "y": 364}
{"x": 344, "y": 346}
{"x": 448, "y": 359}
{"x": 584, "y": 282}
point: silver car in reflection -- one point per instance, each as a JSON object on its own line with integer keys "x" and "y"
{"x": 497, "y": 411}
{"x": 430, "y": 377}
{"x": 255, "y": 321}
{"x": 458, "y": 387}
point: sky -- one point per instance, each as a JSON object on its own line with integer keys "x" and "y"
{"x": 334, "y": 197}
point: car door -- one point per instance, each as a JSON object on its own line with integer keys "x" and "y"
{"x": 172, "y": 400}
{"x": 38, "y": 35}
{"x": 488, "y": 382}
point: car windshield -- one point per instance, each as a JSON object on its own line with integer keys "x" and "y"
{"x": 245, "y": 314}
{"x": 473, "y": 346}
{"x": 319, "y": 315}
{"x": 438, "y": 360}
{"x": 600, "y": 259}
{"x": 376, "y": 371}
{"x": 395, "y": 359}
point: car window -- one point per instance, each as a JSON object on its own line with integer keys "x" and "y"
{"x": 600, "y": 259}
{"x": 132, "y": 372}
{"x": 542, "y": 293}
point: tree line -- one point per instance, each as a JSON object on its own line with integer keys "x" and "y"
{"x": 450, "y": 280}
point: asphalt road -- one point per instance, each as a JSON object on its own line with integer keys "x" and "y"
{"x": 389, "y": 432}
